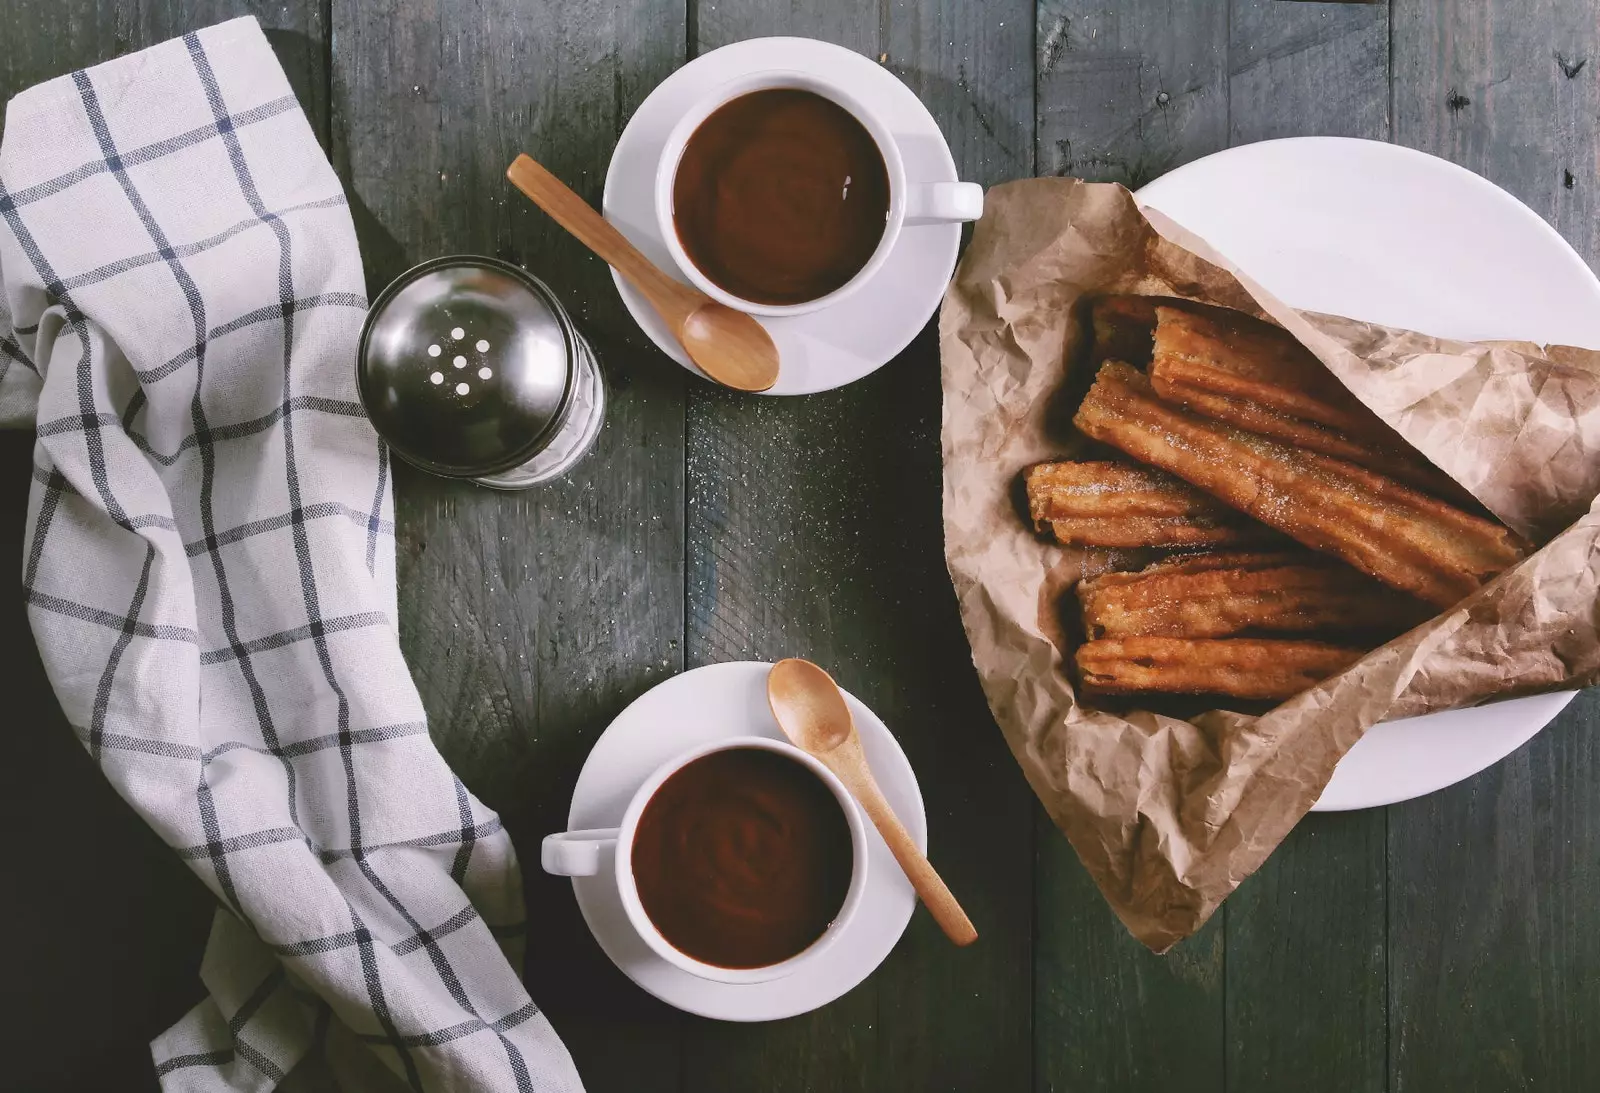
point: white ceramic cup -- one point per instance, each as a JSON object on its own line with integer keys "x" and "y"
{"x": 910, "y": 203}
{"x": 583, "y": 853}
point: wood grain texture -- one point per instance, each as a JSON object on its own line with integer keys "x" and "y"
{"x": 1486, "y": 84}
{"x": 529, "y": 619}
{"x": 1130, "y": 89}
{"x": 106, "y": 924}
{"x": 1313, "y": 69}
{"x": 814, "y": 531}
{"x": 1494, "y": 884}
{"x": 1109, "y": 1014}
{"x": 1492, "y": 949}
{"x": 1305, "y": 975}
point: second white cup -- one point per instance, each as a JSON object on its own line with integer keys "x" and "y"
{"x": 584, "y": 853}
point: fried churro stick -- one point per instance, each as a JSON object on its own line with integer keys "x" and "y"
{"x": 1247, "y": 373}
{"x": 1215, "y": 595}
{"x": 1115, "y": 505}
{"x": 1237, "y": 667}
{"x": 1403, "y": 538}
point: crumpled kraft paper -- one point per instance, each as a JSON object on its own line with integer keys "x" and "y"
{"x": 1169, "y": 815}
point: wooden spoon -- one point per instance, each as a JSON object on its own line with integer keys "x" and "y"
{"x": 729, "y": 346}
{"x": 813, "y": 715}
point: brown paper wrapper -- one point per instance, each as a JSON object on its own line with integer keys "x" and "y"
{"x": 1169, "y": 815}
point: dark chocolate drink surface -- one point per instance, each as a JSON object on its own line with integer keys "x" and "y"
{"x": 742, "y": 858}
{"x": 781, "y": 196}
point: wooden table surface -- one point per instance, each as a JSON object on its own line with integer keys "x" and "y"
{"x": 1450, "y": 943}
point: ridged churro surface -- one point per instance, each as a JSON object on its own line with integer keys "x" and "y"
{"x": 1117, "y": 505}
{"x": 1216, "y": 595}
{"x": 1236, "y": 667}
{"x": 1402, "y": 537}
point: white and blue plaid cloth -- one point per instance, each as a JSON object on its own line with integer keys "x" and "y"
{"x": 210, "y": 576}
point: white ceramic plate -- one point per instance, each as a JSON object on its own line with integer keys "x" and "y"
{"x": 1398, "y": 237}
{"x": 860, "y": 334}
{"x": 699, "y": 707}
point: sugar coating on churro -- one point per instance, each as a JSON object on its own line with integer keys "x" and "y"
{"x": 1395, "y": 534}
{"x": 1251, "y": 668}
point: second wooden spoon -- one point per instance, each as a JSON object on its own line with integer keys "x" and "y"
{"x": 727, "y": 345}
{"x": 812, "y": 713}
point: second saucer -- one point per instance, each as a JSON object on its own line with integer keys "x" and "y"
{"x": 843, "y": 342}
{"x": 701, "y": 708}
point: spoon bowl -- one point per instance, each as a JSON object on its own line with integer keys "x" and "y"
{"x": 809, "y": 706}
{"x": 730, "y": 346}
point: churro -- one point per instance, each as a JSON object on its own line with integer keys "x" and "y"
{"x": 1237, "y": 667}
{"x": 1253, "y": 375}
{"x": 1216, "y": 595}
{"x": 1402, "y": 537}
{"x": 1116, "y": 505}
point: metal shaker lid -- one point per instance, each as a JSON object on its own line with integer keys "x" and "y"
{"x": 466, "y": 366}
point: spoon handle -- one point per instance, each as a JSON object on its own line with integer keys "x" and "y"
{"x": 674, "y": 300}
{"x": 931, "y": 888}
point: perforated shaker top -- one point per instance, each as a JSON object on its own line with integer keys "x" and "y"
{"x": 466, "y": 366}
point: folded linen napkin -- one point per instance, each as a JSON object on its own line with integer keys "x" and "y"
{"x": 210, "y": 573}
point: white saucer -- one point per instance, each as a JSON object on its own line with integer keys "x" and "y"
{"x": 701, "y": 706}
{"x": 839, "y": 344}
{"x": 1399, "y": 237}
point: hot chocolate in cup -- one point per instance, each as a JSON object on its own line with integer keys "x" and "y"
{"x": 740, "y": 861}
{"x": 779, "y": 193}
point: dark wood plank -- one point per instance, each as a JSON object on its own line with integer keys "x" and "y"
{"x": 1305, "y": 961}
{"x": 814, "y": 529}
{"x": 1494, "y": 892}
{"x": 1127, "y": 91}
{"x": 1494, "y": 888}
{"x": 1304, "y": 983}
{"x": 1110, "y": 1016}
{"x": 530, "y": 619}
{"x": 1298, "y": 70}
{"x": 1486, "y": 83}
{"x": 105, "y": 924}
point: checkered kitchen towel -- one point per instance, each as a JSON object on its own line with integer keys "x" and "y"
{"x": 210, "y": 574}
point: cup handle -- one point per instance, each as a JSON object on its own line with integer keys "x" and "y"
{"x": 576, "y": 853}
{"x": 943, "y": 202}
